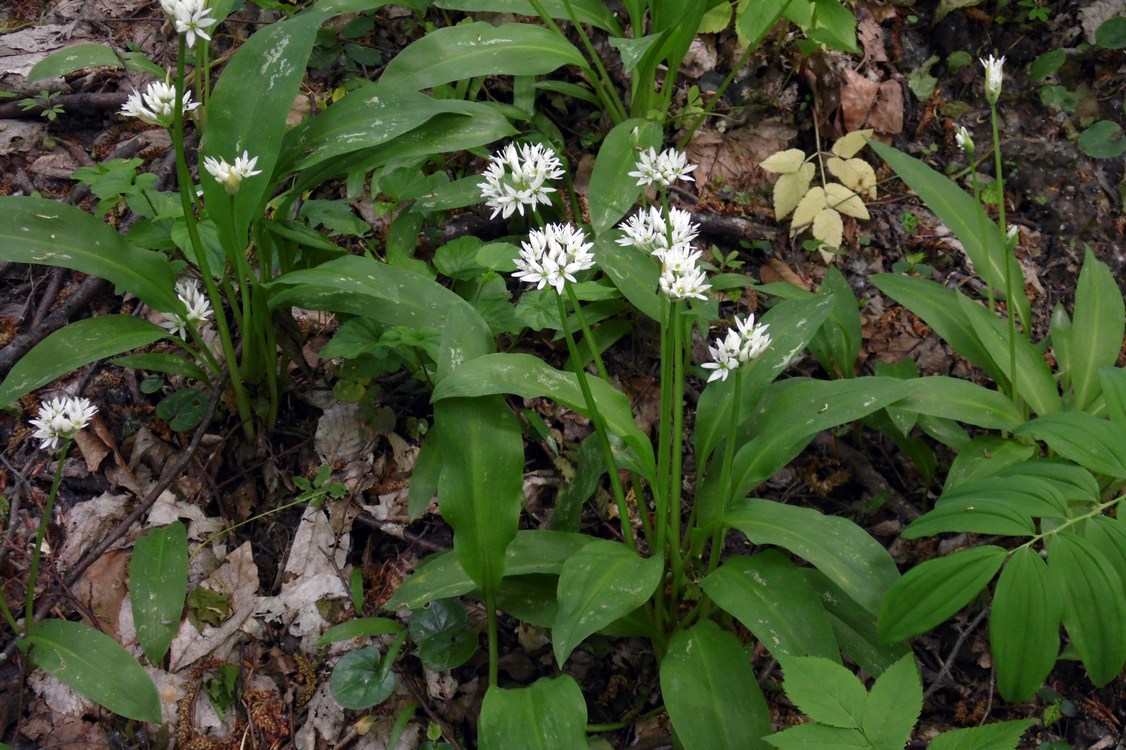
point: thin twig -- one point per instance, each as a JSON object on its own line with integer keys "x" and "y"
{"x": 944, "y": 671}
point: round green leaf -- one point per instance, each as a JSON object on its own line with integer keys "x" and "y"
{"x": 442, "y": 634}
{"x": 361, "y": 680}
{"x": 1111, "y": 33}
{"x": 1103, "y": 140}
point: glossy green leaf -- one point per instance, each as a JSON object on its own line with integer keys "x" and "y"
{"x": 361, "y": 679}
{"x": 974, "y": 513}
{"x": 454, "y": 53}
{"x": 598, "y": 584}
{"x": 1024, "y": 625}
{"x": 361, "y": 627}
{"x": 840, "y": 549}
{"x": 262, "y": 77}
{"x": 1112, "y": 381}
{"x": 1098, "y": 328}
{"x": 158, "y": 584}
{"x": 69, "y": 59}
{"x": 754, "y": 20}
{"x": 987, "y": 455}
{"x": 424, "y": 476}
{"x": 159, "y": 362}
{"x": 1094, "y": 605}
{"x": 769, "y": 595}
{"x": 1004, "y": 735}
{"x": 710, "y": 691}
{"x": 593, "y": 12}
{"x": 966, "y": 219}
{"x": 894, "y": 704}
{"x": 481, "y": 490}
{"x": 1034, "y": 380}
{"x": 837, "y": 345}
{"x": 443, "y": 636}
{"x": 550, "y": 714}
{"x": 37, "y": 230}
{"x": 1095, "y": 444}
{"x": 441, "y": 576}
{"x": 633, "y": 272}
{"x": 612, "y": 191}
{"x": 961, "y": 400}
{"x": 1109, "y": 538}
{"x": 824, "y": 691}
{"x": 933, "y": 591}
{"x": 817, "y": 737}
{"x": 96, "y": 666}
{"x": 855, "y": 627}
{"x": 74, "y": 345}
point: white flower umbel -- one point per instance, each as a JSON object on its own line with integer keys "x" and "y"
{"x": 681, "y": 278}
{"x": 189, "y": 17}
{"x": 517, "y": 178}
{"x": 157, "y": 104}
{"x": 662, "y": 169}
{"x": 553, "y": 255}
{"x": 743, "y": 343}
{"x": 962, "y": 138}
{"x": 994, "y": 73}
{"x": 649, "y": 231}
{"x": 231, "y": 176}
{"x": 61, "y": 419}
{"x": 199, "y": 309}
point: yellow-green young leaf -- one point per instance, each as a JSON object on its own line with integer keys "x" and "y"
{"x": 807, "y": 209}
{"x": 784, "y": 162}
{"x": 789, "y": 189}
{"x": 828, "y": 228}
{"x": 846, "y": 201}
{"x": 1024, "y": 626}
{"x": 856, "y": 174}
{"x": 849, "y": 144}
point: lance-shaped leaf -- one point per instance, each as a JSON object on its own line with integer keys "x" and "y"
{"x": 594, "y": 12}
{"x": 1024, "y": 625}
{"x": 612, "y": 190}
{"x": 600, "y": 583}
{"x": 548, "y": 715}
{"x": 1097, "y": 330}
{"x": 158, "y": 583}
{"x": 961, "y": 400}
{"x": 1095, "y": 444}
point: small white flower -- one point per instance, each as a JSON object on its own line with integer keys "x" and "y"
{"x": 743, "y": 343}
{"x": 518, "y": 178}
{"x": 681, "y": 286}
{"x": 963, "y": 139}
{"x": 157, "y": 104}
{"x": 189, "y": 17}
{"x": 231, "y": 177}
{"x": 1012, "y": 233}
{"x": 553, "y": 255}
{"x": 61, "y": 419}
{"x": 649, "y": 230}
{"x": 662, "y": 169}
{"x": 198, "y": 307}
{"x": 754, "y": 338}
{"x": 994, "y": 74}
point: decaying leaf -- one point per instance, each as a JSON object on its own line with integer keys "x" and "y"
{"x": 812, "y": 204}
{"x": 849, "y": 144}
{"x": 784, "y": 162}
{"x": 845, "y": 200}
{"x": 789, "y": 189}
{"x": 855, "y": 174}
{"x": 828, "y": 228}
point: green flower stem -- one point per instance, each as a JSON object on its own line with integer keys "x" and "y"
{"x": 673, "y": 500}
{"x": 599, "y": 428}
{"x": 587, "y": 335}
{"x": 1008, "y": 259}
{"x": 977, "y": 199}
{"x": 37, "y": 550}
{"x": 1093, "y": 513}
{"x": 662, "y": 492}
{"x": 491, "y": 616}
{"x": 184, "y": 178}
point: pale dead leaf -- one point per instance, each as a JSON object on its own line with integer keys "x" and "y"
{"x": 86, "y": 522}
{"x": 93, "y": 449}
{"x": 845, "y": 200}
{"x": 102, "y": 589}
{"x": 342, "y": 439}
{"x": 887, "y": 115}
{"x": 856, "y": 174}
{"x": 858, "y": 97}
{"x": 849, "y": 144}
{"x": 59, "y": 697}
{"x": 789, "y": 189}
{"x": 871, "y": 38}
{"x": 775, "y": 270}
{"x": 828, "y": 228}
{"x": 812, "y": 204}
{"x": 733, "y": 157}
{"x": 784, "y": 162}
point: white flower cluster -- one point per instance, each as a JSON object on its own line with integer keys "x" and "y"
{"x": 157, "y": 105}
{"x": 199, "y": 309}
{"x": 662, "y": 169}
{"x": 189, "y": 17}
{"x": 649, "y": 231}
{"x": 553, "y": 255}
{"x": 994, "y": 74}
{"x": 516, "y": 178}
{"x": 61, "y": 419}
{"x": 743, "y": 343}
{"x": 963, "y": 140}
{"x": 231, "y": 176}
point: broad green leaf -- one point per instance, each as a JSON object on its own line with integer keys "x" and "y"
{"x": 1112, "y": 381}
{"x": 262, "y": 77}
{"x": 1004, "y": 735}
{"x": 1095, "y": 444}
{"x": 840, "y": 549}
{"x": 634, "y": 272}
{"x": 69, "y": 59}
{"x": 74, "y": 345}
{"x": 443, "y": 636}
{"x": 769, "y": 595}
{"x": 37, "y": 230}
{"x": 480, "y": 491}
{"x": 1097, "y": 329}
{"x": 361, "y": 627}
{"x": 593, "y": 12}
{"x": 361, "y": 679}
{"x": 441, "y": 576}
{"x": 424, "y": 475}
{"x": 1094, "y": 605}
{"x": 1024, "y": 625}
{"x": 966, "y": 219}
{"x": 1034, "y": 380}
{"x": 96, "y": 666}
{"x": 894, "y": 705}
{"x": 1109, "y": 538}
{"x": 824, "y": 691}
{"x": 961, "y": 400}
{"x": 855, "y": 627}
{"x": 598, "y": 584}
{"x": 612, "y": 191}
{"x": 1103, "y": 140}
{"x": 550, "y": 714}
{"x": 454, "y": 53}
{"x": 987, "y": 455}
{"x": 754, "y": 19}
{"x": 938, "y": 307}
{"x": 158, "y": 584}
{"x": 978, "y": 512}
{"x": 818, "y": 737}
{"x": 710, "y": 691}
{"x": 530, "y": 377}
{"x": 931, "y": 592}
